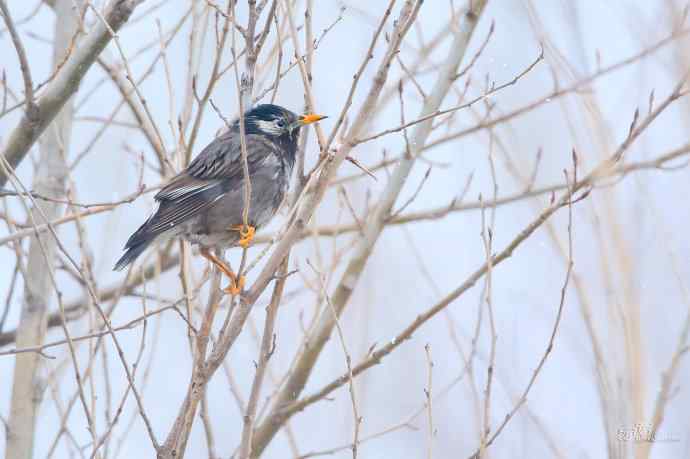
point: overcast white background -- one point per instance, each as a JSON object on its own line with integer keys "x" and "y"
{"x": 648, "y": 209}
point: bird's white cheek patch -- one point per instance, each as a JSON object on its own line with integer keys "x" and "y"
{"x": 267, "y": 126}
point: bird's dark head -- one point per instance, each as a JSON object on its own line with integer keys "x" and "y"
{"x": 275, "y": 121}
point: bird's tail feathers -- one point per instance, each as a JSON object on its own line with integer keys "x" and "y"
{"x": 130, "y": 255}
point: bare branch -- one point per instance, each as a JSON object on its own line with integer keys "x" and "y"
{"x": 65, "y": 83}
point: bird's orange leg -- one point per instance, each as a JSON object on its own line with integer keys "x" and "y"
{"x": 246, "y": 234}
{"x": 236, "y": 284}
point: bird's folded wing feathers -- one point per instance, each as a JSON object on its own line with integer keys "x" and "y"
{"x": 222, "y": 158}
{"x": 183, "y": 198}
{"x": 220, "y": 161}
{"x": 185, "y": 186}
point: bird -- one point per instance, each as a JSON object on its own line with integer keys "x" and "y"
{"x": 204, "y": 204}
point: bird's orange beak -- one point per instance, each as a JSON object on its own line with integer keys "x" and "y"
{"x": 311, "y": 118}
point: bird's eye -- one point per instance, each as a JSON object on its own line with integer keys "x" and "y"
{"x": 280, "y": 123}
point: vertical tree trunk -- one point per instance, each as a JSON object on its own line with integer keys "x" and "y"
{"x": 49, "y": 180}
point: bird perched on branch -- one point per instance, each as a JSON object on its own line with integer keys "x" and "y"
{"x": 205, "y": 203}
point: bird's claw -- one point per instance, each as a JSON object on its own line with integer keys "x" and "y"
{"x": 235, "y": 287}
{"x": 236, "y": 282}
{"x": 246, "y": 234}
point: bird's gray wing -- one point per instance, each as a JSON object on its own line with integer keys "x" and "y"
{"x": 222, "y": 159}
{"x": 216, "y": 171}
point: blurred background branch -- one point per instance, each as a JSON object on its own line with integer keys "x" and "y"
{"x": 512, "y": 145}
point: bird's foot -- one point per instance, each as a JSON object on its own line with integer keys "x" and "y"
{"x": 246, "y": 234}
{"x": 236, "y": 285}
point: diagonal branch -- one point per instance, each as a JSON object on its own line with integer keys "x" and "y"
{"x": 65, "y": 83}
{"x": 23, "y": 62}
{"x": 326, "y": 322}
{"x": 604, "y": 169}
{"x": 175, "y": 443}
